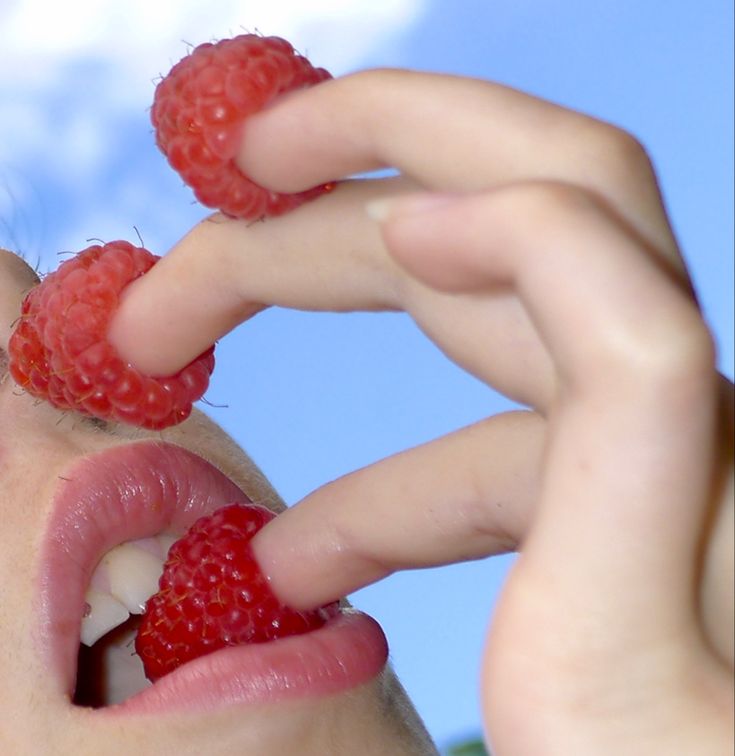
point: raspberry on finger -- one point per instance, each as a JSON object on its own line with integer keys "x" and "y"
{"x": 200, "y": 110}
{"x": 59, "y": 349}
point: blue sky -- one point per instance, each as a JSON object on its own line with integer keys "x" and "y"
{"x": 315, "y": 396}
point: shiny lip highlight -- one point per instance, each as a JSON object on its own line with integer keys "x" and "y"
{"x": 149, "y": 487}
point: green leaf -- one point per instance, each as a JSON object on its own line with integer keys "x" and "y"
{"x": 469, "y": 748}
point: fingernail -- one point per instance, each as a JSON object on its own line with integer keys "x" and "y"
{"x": 387, "y": 207}
{"x": 379, "y": 209}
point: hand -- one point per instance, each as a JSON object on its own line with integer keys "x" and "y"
{"x": 535, "y": 252}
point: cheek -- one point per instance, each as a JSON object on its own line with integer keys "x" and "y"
{"x": 21, "y": 529}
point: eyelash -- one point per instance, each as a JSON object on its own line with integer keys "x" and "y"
{"x": 97, "y": 424}
{"x": 36, "y": 266}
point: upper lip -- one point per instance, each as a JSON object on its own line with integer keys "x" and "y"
{"x": 142, "y": 489}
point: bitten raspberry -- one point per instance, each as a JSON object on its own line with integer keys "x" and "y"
{"x": 59, "y": 349}
{"x": 212, "y": 594}
{"x": 200, "y": 111}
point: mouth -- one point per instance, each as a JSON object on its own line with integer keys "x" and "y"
{"x": 114, "y": 515}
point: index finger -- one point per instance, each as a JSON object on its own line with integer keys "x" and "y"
{"x": 450, "y": 133}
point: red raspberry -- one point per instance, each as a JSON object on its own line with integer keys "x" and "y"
{"x": 200, "y": 109}
{"x": 59, "y": 349}
{"x": 212, "y": 594}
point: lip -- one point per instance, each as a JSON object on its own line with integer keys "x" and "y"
{"x": 139, "y": 490}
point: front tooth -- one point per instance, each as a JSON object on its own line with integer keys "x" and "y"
{"x": 133, "y": 574}
{"x": 103, "y": 613}
{"x": 166, "y": 541}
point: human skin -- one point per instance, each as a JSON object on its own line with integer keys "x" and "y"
{"x": 534, "y": 249}
{"x": 38, "y": 444}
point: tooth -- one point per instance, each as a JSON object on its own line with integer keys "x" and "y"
{"x": 133, "y": 574}
{"x": 166, "y": 541}
{"x": 151, "y": 545}
{"x": 104, "y": 613}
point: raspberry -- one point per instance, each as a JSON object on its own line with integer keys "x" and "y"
{"x": 199, "y": 113}
{"x": 59, "y": 349}
{"x": 212, "y": 594}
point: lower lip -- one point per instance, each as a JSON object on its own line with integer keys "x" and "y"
{"x": 135, "y": 491}
{"x": 348, "y": 651}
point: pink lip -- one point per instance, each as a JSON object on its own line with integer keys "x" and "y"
{"x": 142, "y": 489}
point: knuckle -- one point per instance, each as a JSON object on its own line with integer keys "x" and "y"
{"x": 544, "y": 203}
{"x": 689, "y": 350}
{"x": 677, "y": 349}
{"x": 616, "y": 153}
{"x": 665, "y": 344}
{"x": 621, "y": 143}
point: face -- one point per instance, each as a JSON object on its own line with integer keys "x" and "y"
{"x": 73, "y": 489}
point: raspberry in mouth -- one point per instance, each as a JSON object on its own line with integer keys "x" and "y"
{"x": 211, "y": 594}
{"x": 122, "y": 497}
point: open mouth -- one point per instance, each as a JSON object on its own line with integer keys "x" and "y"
{"x": 108, "y": 669}
{"x": 115, "y": 515}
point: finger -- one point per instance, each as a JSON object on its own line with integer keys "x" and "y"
{"x": 448, "y": 133}
{"x": 489, "y": 135}
{"x": 540, "y": 239}
{"x": 625, "y": 491}
{"x": 326, "y": 255}
{"x": 464, "y": 496}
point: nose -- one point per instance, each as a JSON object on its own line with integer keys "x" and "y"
{"x": 16, "y": 278}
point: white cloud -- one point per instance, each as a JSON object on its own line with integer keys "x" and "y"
{"x": 71, "y": 70}
{"x": 143, "y": 37}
